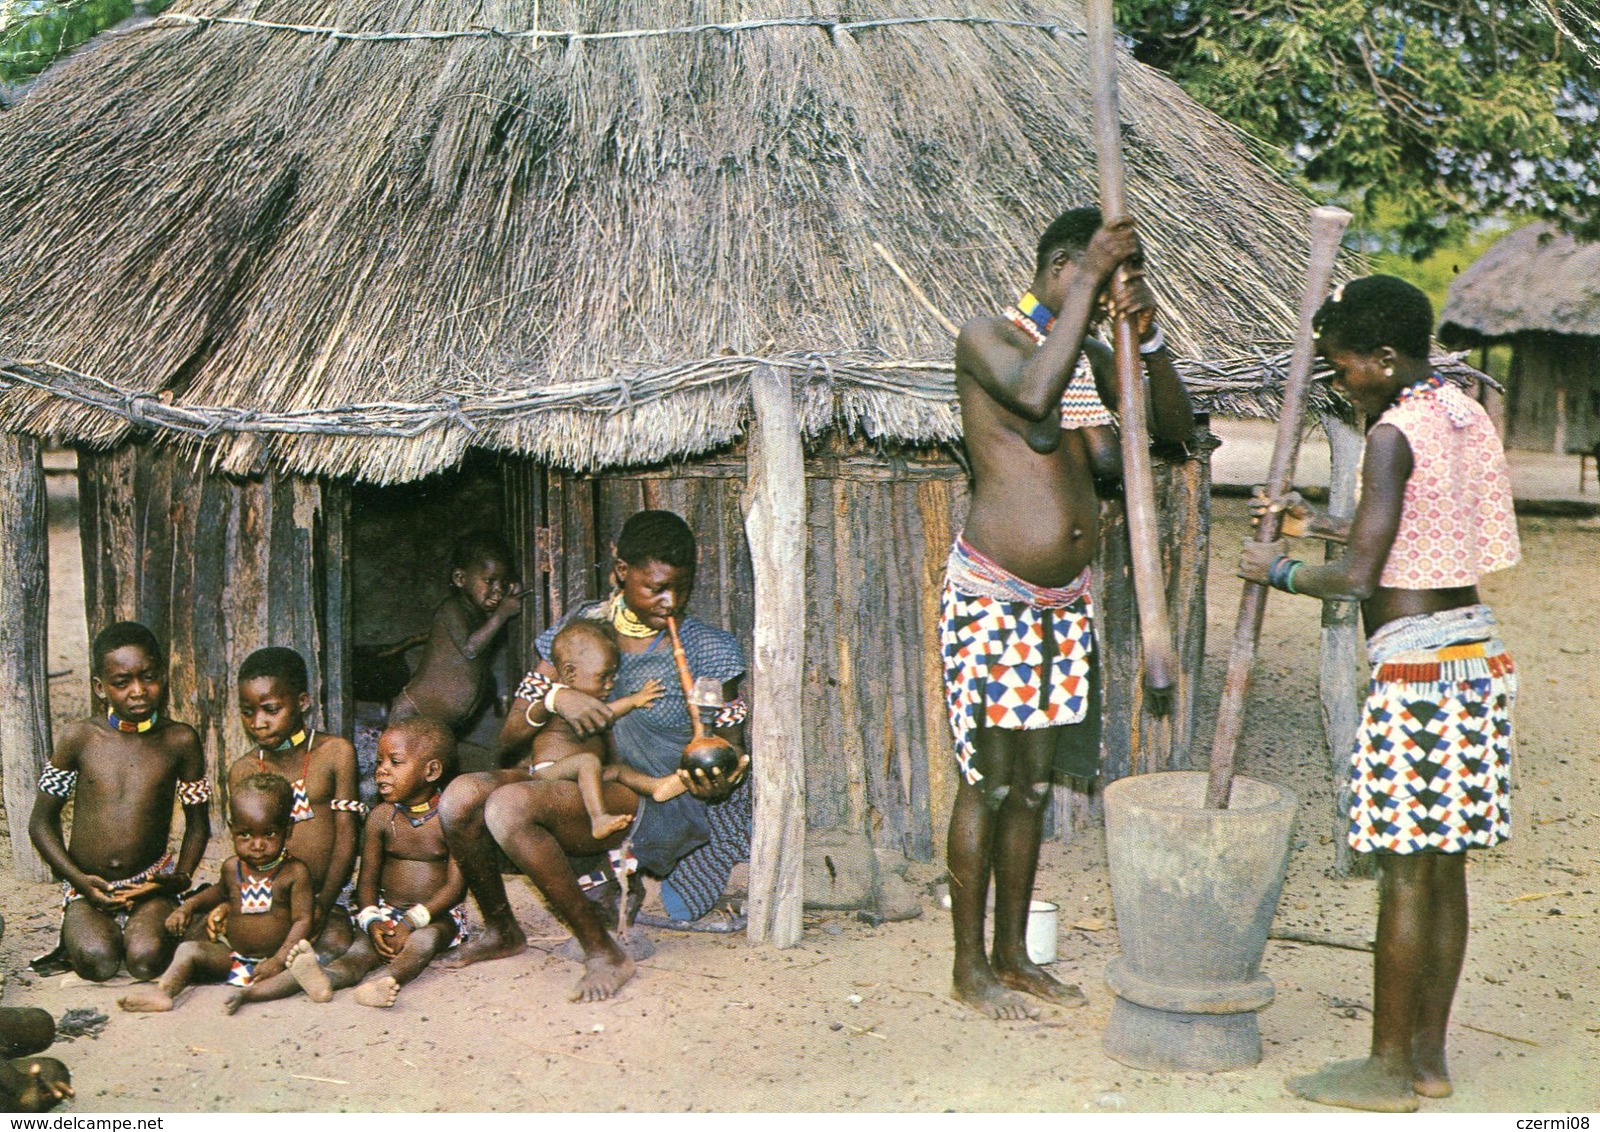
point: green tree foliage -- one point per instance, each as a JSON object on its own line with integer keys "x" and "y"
{"x": 1445, "y": 111}
{"x": 34, "y": 32}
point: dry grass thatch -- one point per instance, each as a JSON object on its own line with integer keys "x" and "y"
{"x": 274, "y": 220}
{"x": 1534, "y": 279}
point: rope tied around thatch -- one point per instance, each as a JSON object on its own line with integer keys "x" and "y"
{"x": 136, "y": 413}
{"x": 832, "y": 26}
{"x": 452, "y": 408}
{"x": 1246, "y": 386}
{"x": 820, "y": 362}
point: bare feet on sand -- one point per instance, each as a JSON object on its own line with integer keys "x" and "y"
{"x": 1429, "y": 1075}
{"x": 1364, "y": 1083}
{"x": 603, "y": 976}
{"x": 492, "y": 943}
{"x": 1029, "y": 978}
{"x": 305, "y": 970}
{"x": 606, "y": 824}
{"x": 984, "y": 993}
{"x": 380, "y": 992}
{"x": 146, "y": 1000}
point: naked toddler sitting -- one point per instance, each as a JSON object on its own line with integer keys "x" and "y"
{"x": 269, "y": 898}
{"x": 585, "y": 658}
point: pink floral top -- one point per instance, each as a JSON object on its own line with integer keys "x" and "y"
{"x": 1456, "y": 521}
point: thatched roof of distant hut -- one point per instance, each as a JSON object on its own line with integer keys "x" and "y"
{"x": 355, "y": 238}
{"x": 1535, "y": 279}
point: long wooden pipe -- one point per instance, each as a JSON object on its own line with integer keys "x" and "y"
{"x": 1138, "y": 485}
{"x": 1327, "y": 227}
{"x": 701, "y": 740}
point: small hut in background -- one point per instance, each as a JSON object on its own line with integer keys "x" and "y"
{"x": 314, "y": 287}
{"x": 1537, "y": 290}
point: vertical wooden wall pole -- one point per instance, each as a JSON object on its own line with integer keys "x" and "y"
{"x": 24, "y": 642}
{"x": 1341, "y": 652}
{"x": 775, "y": 525}
{"x": 336, "y": 611}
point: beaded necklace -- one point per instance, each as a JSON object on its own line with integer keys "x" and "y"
{"x": 131, "y": 728}
{"x": 255, "y": 892}
{"x": 1457, "y": 409}
{"x": 627, "y": 623}
{"x": 292, "y": 741}
{"x": 302, "y": 795}
{"x": 1032, "y": 317}
{"x": 427, "y": 809}
{"x": 1430, "y": 384}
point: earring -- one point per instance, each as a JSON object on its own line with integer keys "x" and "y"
{"x": 1388, "y": 371}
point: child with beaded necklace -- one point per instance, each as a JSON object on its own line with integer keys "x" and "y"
{"x": 119, "y": 877}
{"x": 321, "y": 771}
{"x": 410, "y": 889}
{"x": 268, "y": 895}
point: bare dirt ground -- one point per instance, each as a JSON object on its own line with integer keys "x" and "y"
{"x": 856, "y": 1018}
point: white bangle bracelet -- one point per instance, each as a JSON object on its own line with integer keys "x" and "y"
{"x": 367, "y": 917}
{"x": 550, "y": 697}
{"x": 1155, "y": 342}
{"x": 419, "y": 916}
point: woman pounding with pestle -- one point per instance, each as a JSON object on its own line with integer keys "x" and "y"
{"x": 689, "y": 843}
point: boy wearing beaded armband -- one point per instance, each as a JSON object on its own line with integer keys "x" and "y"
{"x": 268, "y": 895}
{"x": 410, "y": 889}
{"x": 1431, "y": 773}
{"x": 321, "y": 771}
{"x": 119, "y": 879}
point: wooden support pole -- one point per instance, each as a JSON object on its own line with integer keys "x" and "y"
{"x": 775, "y": 525}
{"x": 1341, "y": 651}
{"x": 24, "y": 642}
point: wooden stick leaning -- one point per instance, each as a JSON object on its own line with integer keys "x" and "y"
{"x": 1327, "y": 227}
{"x": 1138, "y": 485}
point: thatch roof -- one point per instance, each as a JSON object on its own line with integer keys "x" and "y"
{"x": 355, "y": 253}
{"x": 1534, "y": 279}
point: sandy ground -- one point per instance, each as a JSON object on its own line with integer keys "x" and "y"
{"x": 856, "y": 1018}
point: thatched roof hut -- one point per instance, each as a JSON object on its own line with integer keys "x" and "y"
{"x": 1538, "y": 290}
{"x": 317, "y": 245}
{"x": 316, "y": 206}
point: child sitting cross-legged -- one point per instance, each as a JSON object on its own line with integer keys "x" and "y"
{"x": 268, "y": 894}
{"x": 410, "y": 889}
{"x": 586, "y": 658}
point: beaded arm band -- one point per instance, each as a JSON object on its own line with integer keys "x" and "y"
{"x": 534, "y": 687}
{"x": 733, "y": 713}
{"x": 56, "y": 782}
{"x": 196, "y": 793}
{"x": 349, "y": 805}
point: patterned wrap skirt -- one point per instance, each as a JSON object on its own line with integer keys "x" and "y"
{"x": 1431, "y": 772}
{"x": 1016, "y": 656}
